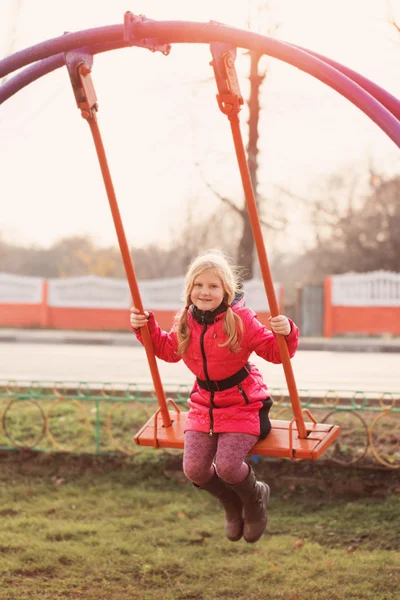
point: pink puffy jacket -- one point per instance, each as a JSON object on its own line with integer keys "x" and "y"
{"x": 242, "y": 408}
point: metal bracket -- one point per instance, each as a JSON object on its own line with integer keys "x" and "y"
{"x": 229, "y": 97}
{"x": 152, "y": 44}
{"x": 79, "y": 64}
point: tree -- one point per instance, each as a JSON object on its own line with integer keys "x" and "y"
{"x": 363, "y": 238}
{"x": 245, "y": 253}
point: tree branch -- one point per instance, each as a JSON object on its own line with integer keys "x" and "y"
{"x": 291, "y": 194}
{"x": 395, "y": 25}
{"x": 224, "y": 199}
{"x": 240, "y": 211}
{"x": 391, "y": 19}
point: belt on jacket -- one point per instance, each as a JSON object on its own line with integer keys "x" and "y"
{"x": 224, "y": 384}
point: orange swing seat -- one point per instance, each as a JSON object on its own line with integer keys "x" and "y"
{"x": 283, "y": 440}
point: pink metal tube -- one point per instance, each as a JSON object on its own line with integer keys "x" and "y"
{"x": 387, "y": 100}
{"x": 184, "y": 32}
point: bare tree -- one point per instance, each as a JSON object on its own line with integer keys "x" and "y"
{"x": 245, "y": 252}
{"x": 365, "y": 236}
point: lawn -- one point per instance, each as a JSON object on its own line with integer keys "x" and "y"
{"x": 111, "y": 528}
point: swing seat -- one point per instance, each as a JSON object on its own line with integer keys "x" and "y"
{"x": 282, "y": 441}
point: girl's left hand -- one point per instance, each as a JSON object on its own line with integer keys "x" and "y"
{"x": 280, "y": 324}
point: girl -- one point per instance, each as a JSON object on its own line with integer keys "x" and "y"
{"x": 229, "y": 404}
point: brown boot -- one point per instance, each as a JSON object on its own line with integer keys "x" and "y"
{"x": 255, "y": 497}
{"x": 231, "y": 503}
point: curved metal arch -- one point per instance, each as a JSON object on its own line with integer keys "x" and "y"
{"x": 47, "y": 65}
{"x": 191, "y": 32}
{"x": 44, "y": 67}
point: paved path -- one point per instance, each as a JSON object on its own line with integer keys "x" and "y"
{"x": 109, "y": 338}
{"x": 314, "y": 370}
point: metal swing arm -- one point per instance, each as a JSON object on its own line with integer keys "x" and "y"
{"x": 230, "y": 102}
{"x": 79, "y": 64}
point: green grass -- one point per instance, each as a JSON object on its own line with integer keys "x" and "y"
{"x": 107, "y": 529}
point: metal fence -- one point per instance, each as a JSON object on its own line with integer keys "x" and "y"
{"x": 94, "y": 418}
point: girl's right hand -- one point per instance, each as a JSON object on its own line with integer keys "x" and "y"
{"x": 138, "y": 320}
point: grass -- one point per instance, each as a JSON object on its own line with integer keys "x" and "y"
{"x": 108, "y": 529}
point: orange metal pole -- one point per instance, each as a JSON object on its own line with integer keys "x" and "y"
{"x": 89, "y": 108}
{"x": 265, "y": 270}
{"x": 230, "y": 101}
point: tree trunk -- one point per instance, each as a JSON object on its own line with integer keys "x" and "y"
{"x": 246, "y": 254}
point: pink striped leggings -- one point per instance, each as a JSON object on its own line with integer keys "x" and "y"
{"x": 226, "y": 450}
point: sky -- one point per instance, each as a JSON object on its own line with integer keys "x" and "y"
{"x": 161, "y": 126}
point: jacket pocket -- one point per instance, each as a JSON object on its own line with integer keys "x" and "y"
{"x": 265, "y": 423}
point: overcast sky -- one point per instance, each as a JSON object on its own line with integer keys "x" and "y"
{"x": 159, "y": 117}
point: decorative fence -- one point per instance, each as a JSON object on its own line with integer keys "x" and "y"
{"x": 362, "y": 303}
{"x": 92, "y": 302}
{"x": 353, "y": 303}
{"x": 90, "y": 418}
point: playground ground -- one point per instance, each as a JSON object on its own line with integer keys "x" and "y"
{"x": 119, "y": 529}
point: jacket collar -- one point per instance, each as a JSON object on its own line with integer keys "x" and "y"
{"x": 206, "y": 317}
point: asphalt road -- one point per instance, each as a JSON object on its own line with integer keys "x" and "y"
{"x": 313, "y": 370}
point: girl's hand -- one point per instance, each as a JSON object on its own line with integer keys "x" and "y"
{"x": 280, "y": 324}
{"x": 138, "y": 320}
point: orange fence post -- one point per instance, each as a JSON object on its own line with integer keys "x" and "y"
{"x": 44, "y": 309}
{"x": 328, "y": 310}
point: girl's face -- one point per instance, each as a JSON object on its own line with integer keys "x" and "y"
{"x": 207, "y": 292}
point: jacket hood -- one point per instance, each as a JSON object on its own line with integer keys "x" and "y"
{"x": 204, "y": 317}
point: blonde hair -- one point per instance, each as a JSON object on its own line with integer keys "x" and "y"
{"x": 218, "y": 263}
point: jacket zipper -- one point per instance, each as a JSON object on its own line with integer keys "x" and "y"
{"x": 203, "y": 353}
{"x": 211, "y": 422}
{"x": 241, "y": 390}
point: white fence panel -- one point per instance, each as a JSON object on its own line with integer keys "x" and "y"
{"x": 163, "y": 294}
{"x": 376, "y": 288}
{"x": 89, "y": 292}
{"x": 255, "y": 295}
{"x": 17, "y": 289}
{"x": 101, "y": 292}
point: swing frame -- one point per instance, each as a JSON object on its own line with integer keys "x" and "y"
{"x": 291, "y": 439}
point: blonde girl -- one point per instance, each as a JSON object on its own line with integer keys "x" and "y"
{"x": 214, "y": 335}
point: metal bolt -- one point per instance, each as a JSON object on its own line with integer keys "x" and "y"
{"x": 84, "y": 69}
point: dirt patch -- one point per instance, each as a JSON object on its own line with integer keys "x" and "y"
{"x": 290, "y": 477}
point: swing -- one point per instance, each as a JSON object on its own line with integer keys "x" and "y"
{"x": 295, "y": 439}
{"x": 292, "y": 439}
